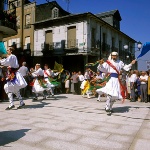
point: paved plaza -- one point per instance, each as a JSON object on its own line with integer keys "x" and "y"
{"x": 70, "y": 122}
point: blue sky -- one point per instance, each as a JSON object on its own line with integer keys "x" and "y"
{"x": 135, "y": 17}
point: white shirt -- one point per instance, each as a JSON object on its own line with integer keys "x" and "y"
{"x": 144, "y": 77}
{"x": 10, "y": 61}
{"x": 106, "y": 68}
{"x": 23, "y": 70}
{"x": 38, "y": 72}
{"x": 81, "y": 77}
{"x": 101, "y": 76}
{"x": 133, "y": 78}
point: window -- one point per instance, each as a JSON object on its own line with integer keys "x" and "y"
{"x": 27, "y": 19}
{"x": 93, "y": 39}
{"x": 14, "y": 4}
{"x": 113, "y": 43}
{"x": 18, "y": 21}
{"x": 27, "y": 42}
{"x": 55, "y": 13}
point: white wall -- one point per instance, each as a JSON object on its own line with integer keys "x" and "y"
{"x": 83, "y": 35}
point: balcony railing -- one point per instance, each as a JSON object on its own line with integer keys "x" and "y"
{"x": 8, "y": 20}
{"x": 105, "y": 47}
{"x": 71, "y": 44}
{"x": 53, "y": 48}
{"x": 95, "y": 44}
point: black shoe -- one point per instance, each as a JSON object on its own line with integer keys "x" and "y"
{"x": 9, "y": 108}
{"x": 48, "y": 96}
{"x": 107, "y": 110}
{"x": 21, "y": 106}
{"x": 132, "y": 101}
{"x": 35, "y": 99}
{"x": 44, "y": 98}
{"x": 111, "y": 111}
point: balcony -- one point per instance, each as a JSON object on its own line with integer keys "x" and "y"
{"x": 7, "y": 24}
{"x": 71, "y": 46}
{"x": 53, "y": 48}
{"x": 105, "y": 49}
{"x": 95, "y": 45}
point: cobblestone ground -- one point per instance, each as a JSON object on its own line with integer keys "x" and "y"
{"x": 70, "y": 122}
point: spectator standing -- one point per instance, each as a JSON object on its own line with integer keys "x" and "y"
{"x": 62, "y": 78}
{"x": 133, "y": 85}
{"x": 72, "y": 84}
{"x": 75, "y": 81}
{"x": 143, "y": 87}
{"x": 138, "y": 84}
{"x": 67, "y": 82}
{"x": 128, "y": 78}
{"x": 81, "y": 79}
{"x": 24, "y": 72}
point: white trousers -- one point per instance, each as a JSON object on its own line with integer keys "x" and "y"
{"x": 11, "y": 100}
{"x": 109, "y": 102}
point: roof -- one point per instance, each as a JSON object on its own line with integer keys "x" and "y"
{"x": 110, "y": 13}
{"x": 89, "y": 14}
{"x": 44, "y": 11}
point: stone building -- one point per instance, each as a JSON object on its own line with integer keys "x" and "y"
{"x": 76, "y": 39}
{"x": 47, "y": 33}
{"x": 23, "y": 40}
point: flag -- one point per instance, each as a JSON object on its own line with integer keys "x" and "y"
{"x": 2, "y": 48}
{"x": 92, "y": 64}
{"x": 145, "y": 49}
{"x": 58, "y": 67}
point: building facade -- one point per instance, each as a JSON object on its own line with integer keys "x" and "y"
{"x": 77, "y": 39}
{"x": 47, "y": 33}
{"x": 23, "y": 40}
{"x": 7, "y": 22}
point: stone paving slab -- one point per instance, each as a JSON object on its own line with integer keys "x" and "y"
{"x": 70, "y": 122}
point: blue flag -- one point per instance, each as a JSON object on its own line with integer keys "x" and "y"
{"x": 2, "y": 48}
{"x": 145, "y": 49}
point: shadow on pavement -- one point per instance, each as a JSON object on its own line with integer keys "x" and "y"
{"x": 127, "y": 109}
{"x": 7, "y": 137}
{"x": 40, "y": 105}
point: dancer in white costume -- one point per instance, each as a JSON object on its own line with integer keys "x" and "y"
{"x": 112, "y": 87}
{"x": 47, "y": 76}
{"x": 14, "y": 80}
{"x": 37, "y": 88}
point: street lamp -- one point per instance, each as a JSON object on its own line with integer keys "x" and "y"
{"x": 139, "y": 46}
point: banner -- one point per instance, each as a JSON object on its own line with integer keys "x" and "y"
{"x": 2, "y": 48}
{"x": 145, "y": 49}
{"x": 58, "y": 67}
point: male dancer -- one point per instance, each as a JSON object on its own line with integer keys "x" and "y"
{"x": 14, "y": 80}
{"x": 113, "y": 88}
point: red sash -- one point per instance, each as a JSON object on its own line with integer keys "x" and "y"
{"x": 122, "y": 87}
{"x": 46, "y": 73}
